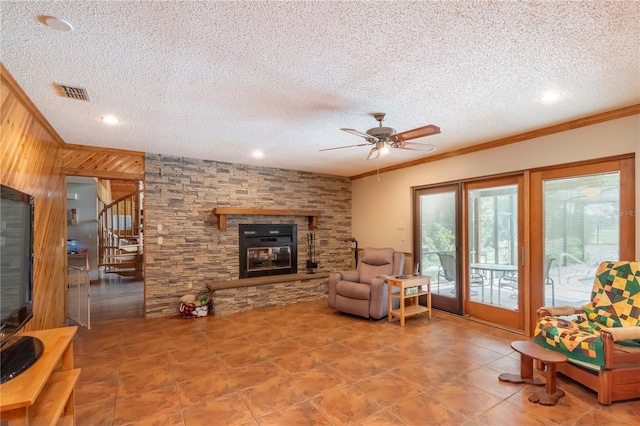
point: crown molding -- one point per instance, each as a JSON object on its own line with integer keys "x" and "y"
{"x": 545, "y": 131}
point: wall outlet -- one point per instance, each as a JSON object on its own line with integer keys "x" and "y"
{"x": 160, "y": 240}
{"x": 190, "y": 285}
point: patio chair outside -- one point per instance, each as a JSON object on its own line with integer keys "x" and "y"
{"x": 447, "y": 272}
{"x": 511, "y": 280}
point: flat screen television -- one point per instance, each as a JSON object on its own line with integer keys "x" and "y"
{"x": 17, "y": 352}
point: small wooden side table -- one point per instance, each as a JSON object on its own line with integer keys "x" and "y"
{"x": 528, "y": 352}
{"x": 414, "y": 308}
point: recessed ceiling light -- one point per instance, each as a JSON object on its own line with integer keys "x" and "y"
{"x": 56, "y": 23}
{"x": 257, "y": 154}
{"x": 550, "y": 97}
{"x": 110, "y": 119}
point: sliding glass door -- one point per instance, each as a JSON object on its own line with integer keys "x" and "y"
{"x": 436, "y": 244}
{"x": 581, "y": 229}
{"x": 497, "y": 249}
{"x": 587, "y": 216}
{"x": 494, "y": 247}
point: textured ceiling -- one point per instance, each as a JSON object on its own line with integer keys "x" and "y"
{"x": 218, "y": 80}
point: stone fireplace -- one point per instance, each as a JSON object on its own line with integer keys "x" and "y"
{"x": 267, "y": 249}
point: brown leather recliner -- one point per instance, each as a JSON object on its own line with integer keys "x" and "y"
{"x": 363, "y": 292}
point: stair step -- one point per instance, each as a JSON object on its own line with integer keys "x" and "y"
{"x": 121, "y": 240}
{"x": 120, "y": 265}
{"x": 127, "y": 273}
{"x": 122, "y": 247}
{"x": 123, "y": 273}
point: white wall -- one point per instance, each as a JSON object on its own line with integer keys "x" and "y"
{"x": 86, "y": 232}
{"x": 381, "y": 207}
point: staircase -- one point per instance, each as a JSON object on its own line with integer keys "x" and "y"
{"x": 120, "y": 239}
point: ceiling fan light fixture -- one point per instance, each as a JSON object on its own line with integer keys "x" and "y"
{"x": 382, "y": 147}
{"x": 381, "y": 132}
{"x": 383, "y": 138}
{"x": 374, "y": 153}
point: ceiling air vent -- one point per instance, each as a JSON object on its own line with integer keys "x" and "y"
{"x": 72, "y": 92}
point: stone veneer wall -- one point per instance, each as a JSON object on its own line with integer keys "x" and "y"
{"x": 184, "y": 249}
{"x": 231, "y": 300}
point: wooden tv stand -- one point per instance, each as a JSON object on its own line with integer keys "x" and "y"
{"x": 43, "y": 394}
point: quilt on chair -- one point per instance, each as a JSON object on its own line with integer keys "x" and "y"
{"x": 615, "y": 302}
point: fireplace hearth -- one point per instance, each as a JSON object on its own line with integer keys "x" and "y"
{"x": 268, "y": 249}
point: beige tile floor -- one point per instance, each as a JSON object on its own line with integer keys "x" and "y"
{"x": 306, "y": 364}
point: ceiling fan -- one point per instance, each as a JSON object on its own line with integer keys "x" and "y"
{"x": 384, "y": 137}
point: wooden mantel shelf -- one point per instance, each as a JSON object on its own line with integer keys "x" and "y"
{"x": 222, "y": 213}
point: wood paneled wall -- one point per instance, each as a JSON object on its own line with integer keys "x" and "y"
{"x": 31, "y": 162}
{"x": 34, "y": 159}
{"x": 121, "y": 188}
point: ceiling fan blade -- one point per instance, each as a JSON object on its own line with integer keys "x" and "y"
{"x": 357, "y": 133}
{"x": 374, "y": 153}
{"x": 413, "y": 146}
{"x": 420, "y": 132}
{"x": 340, "y": 147}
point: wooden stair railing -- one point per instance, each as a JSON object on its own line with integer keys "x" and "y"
{"x": 120, "y": 235}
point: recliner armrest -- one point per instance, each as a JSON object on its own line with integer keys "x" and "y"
{"x": 555, "y": 311}
{"x": 334, "y": 279}
{"x": 378, "y": 303}
{"x": 623, "y": 333}
{"x": 348, "y": 275}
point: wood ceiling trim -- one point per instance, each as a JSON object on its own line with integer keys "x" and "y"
{"x": 102, "y": 150}
{"x": 107, "y": 163}
{"x": 545, "y": 131}
{"x": 103, "y": 174}
{"x": 120, "y": 188}
{"x": 17, "y": 91}
{"x": 113, "y": 162}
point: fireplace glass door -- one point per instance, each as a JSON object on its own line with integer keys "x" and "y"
{"x": 268, "y": 258}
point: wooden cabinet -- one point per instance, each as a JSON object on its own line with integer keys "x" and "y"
{"x": 43, "y": 395}
{"x": 411, "y": 288}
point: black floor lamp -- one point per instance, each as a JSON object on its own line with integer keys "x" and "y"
{"x": 353, "y": 240}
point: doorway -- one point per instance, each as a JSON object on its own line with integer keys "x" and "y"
{"x": 114, "y": 271}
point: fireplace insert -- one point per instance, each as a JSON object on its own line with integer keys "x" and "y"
{"x": 267, "y": 249}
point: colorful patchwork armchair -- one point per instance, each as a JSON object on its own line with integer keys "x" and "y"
{"x": 603, "y": 342}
